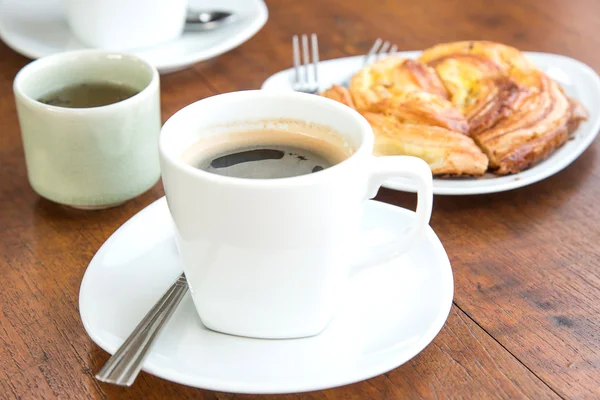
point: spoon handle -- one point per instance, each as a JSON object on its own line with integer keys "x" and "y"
{"x": 123, "y": 367}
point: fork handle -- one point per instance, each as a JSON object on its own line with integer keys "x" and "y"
{"x": 124, "y": 366}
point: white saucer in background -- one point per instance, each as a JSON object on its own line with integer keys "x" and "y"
{"x": 37, "y": 28}
{"x": 390, "y": 313}
{"x": 579, "y": 81}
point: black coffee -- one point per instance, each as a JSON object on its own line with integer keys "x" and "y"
{"x": 265, "y": 154}
{"x": 86, "y": 95}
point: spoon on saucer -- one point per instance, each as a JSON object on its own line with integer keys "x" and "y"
{"x": 125, "y": 365}
{"x": 206, "y": 20}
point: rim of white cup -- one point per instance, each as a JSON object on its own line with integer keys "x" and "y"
{"x": 61, "y": 58}
{"x": 365, "y": 146}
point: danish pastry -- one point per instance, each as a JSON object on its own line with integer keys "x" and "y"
{"x": 463, "y": 107}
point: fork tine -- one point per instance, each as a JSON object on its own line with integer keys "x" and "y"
{"x": 394, "y": 49}
{"x": 315, "y": 57}
{"x": 305, "y": 58}
{"x": 383, "y": 50}
{"x": 373, "y": 50}
{"x": 305, "y": 77}
{"x": 296, "y": 49}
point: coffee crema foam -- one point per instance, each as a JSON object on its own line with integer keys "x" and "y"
{"x": 268, "y": 153}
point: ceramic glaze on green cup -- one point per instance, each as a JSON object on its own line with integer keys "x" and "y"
{"x": 95, "y": 157}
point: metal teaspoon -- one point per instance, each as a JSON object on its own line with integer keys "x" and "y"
{"x": 206, "y": 20}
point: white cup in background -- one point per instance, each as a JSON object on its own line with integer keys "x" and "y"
{"x": 126, "y": 24}
{"x": 270, "y": 258}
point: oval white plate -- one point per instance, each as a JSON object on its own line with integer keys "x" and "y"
{"x": 578, "y": 80}
{"x": 37, "y": 28}
{"x": 392, "y": 311}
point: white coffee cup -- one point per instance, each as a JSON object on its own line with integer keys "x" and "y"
{"x": 126, "y": 24}
{"x": 269, "y": 258}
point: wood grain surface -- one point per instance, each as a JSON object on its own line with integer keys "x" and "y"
{"x": 526, "y": 318}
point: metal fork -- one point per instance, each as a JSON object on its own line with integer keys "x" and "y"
{"x": 305, "y": 78}
{"x": 380, "y": 49}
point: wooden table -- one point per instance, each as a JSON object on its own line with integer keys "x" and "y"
{"x": 526, "y": 315}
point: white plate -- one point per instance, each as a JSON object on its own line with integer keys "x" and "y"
{"x": 37, "y": 28}
{"x": 578, "y": 80}
{"x": 392, "y": 311}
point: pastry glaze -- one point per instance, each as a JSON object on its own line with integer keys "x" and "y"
{"x": 340, "y": 94}
{"x": 447, "y": 152}
{"x": 423, "y": 108}
{"x": 391, "y": 77}
{"x": 400, "y": 128}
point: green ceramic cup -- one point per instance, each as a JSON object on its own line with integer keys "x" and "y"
{"x": 96, "y": 157}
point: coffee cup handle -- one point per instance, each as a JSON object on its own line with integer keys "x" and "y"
{"x": 382, "y": 169}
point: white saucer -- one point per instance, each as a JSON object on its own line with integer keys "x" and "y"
{"x": 578, "y": 80}
{"x": 391, "y": 312}
{"x": 37, "y": 28}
